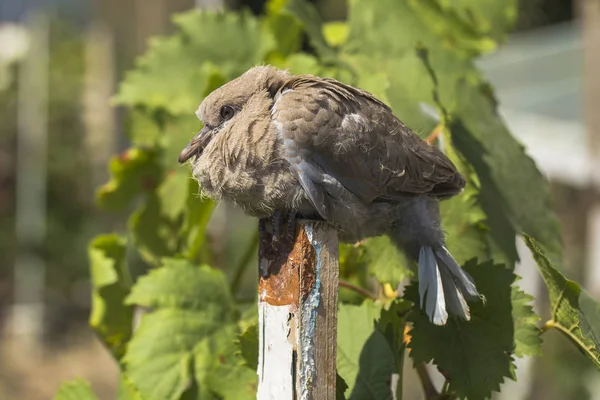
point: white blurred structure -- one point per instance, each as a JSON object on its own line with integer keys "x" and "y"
{"x": 543, "y": 90}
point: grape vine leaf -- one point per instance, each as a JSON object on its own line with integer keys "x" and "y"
{"x": 126, "y": 389}
{"x": 110, "y": 318}
{"x": 133, "y": 172}
{"x": 248, "y": 346}
{"x": 567, "y": 315}
{"x": 385, "y": 262}
{"x": 206, "y": 39}
{"x": 180, "y": 285}
{"x": 77, "y": 389}
{"x": 340, "y": 387}
{"x": 153, "y": 234}
{"x": 527, "y": 333}
{"x": 365, "y": 360}
{"x": 474, "y": 355}
{"x": 187, "y": 335}
{"x": 485, "y": 17}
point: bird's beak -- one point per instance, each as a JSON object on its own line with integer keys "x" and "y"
{"x": 196, "y": 145}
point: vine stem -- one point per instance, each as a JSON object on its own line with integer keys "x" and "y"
{"x": 429, "y": 389}
{"x": 243, "y": 264}
{"x": 358, "y": 290}
{"x": 548, "y": 325}
{"x": 436, "y": 132}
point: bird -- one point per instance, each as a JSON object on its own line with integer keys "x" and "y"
{"x": 311, "y": 147}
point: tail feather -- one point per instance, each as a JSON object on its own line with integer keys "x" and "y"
{"x": 462, "y": 279}
{"x": 431, "y": 287}
{"x": 443, "y": 285}
{"x": 455, "y": 300}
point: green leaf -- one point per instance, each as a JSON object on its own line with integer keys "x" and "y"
{"x": 505, "y": 196}
{"x": 154, "y": 235}
{"x": 126, "y": 389}
{"x": 464, "y": 225}
{"x": 132, "y": 173}
{"x": 248, "y": 346}
{"x": 365, "y": 360}
{"x": 340, "y": 387}
{"x": 336, "y": 33}
{"x": 110, "y": 317}
{"x": 307, "y": 14}
{"x": 286, "y": 28}
{"x": 527, "y": 333}
{"x": 196, "y": 218}
{"x": 75, "y": 390}
{"x": 393, "y": 27}
{"x": 233, "y": 381}
{"x": 566, "y": 315}
{"x": 475, "y": 354}
{"x": 173, "y": 194}
{"x": 206, "y": 39}
{"x": 180, "y": 285}
{"x": 376, "y": 366}
{"x": 392, "y": 324}
{"x": 486, "y": 17}
{"x": 385, "y": 262}
{"x": 176, "y": 133}
{"x": 170, "y": 347}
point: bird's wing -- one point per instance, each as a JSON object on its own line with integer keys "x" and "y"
{"x": 337, "y": 137}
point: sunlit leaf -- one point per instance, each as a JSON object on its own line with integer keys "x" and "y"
{"x": 566, "y": 315}
{"x": 173, "y": 194}
{"x": 75, "y": 390}
{"x": 110, "y": 317}
{"x": 527, "y": 332}
{"x": 365, "y": 360}
{"x": 385, "y": 261}
{"x": 336, "y": 33}
{"x": 179, "y": 284}
{"x": 154, "y": 235}
{"x": 178, "y": 71}
{"x": 485, "y": 17}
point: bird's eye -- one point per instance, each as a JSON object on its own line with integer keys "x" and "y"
{"x": 227, "y": 112}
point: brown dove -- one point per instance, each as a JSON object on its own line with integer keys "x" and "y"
{"x": 304, "y": 146}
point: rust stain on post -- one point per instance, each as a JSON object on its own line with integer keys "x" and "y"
{"x": 281, "y": 265}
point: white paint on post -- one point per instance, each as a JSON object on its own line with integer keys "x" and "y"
{"x": 276, "y": 353}
{"x": 298, "y": 315}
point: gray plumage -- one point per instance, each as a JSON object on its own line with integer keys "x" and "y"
{"x": 321, "y": 149}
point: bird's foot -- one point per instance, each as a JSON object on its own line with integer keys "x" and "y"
{"x": 284, "y": 226}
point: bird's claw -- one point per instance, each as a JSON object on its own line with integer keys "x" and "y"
{"x": 284, "y": 226}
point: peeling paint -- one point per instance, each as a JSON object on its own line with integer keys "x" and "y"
{"x": 309, "y": 321}
{"x": 280, "y": 266}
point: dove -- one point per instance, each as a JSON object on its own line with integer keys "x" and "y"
{"x": 302, "y": 146}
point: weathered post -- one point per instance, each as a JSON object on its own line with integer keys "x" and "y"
{"x": 297, "y": 303}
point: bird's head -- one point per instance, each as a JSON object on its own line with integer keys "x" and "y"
{"x": 229, "y": 111}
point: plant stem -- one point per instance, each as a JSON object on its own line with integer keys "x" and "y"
{"x": 358, "y": 290}
{"x": 548, "y": 325}
{"x": 436, "y": 132}
{"x": 429, "y": 389}
{"x": 243, "y": 264}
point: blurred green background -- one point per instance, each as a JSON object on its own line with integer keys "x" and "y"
{"x": 538, "y": 75}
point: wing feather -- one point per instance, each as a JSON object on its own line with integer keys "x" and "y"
{"x": 335, "y": 134}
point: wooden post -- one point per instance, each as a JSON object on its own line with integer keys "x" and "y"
{"x": 297, "y": 305}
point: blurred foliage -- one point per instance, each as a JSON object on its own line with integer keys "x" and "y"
{"x": 418, "y": 56}
{"x": 71, "y": 214}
